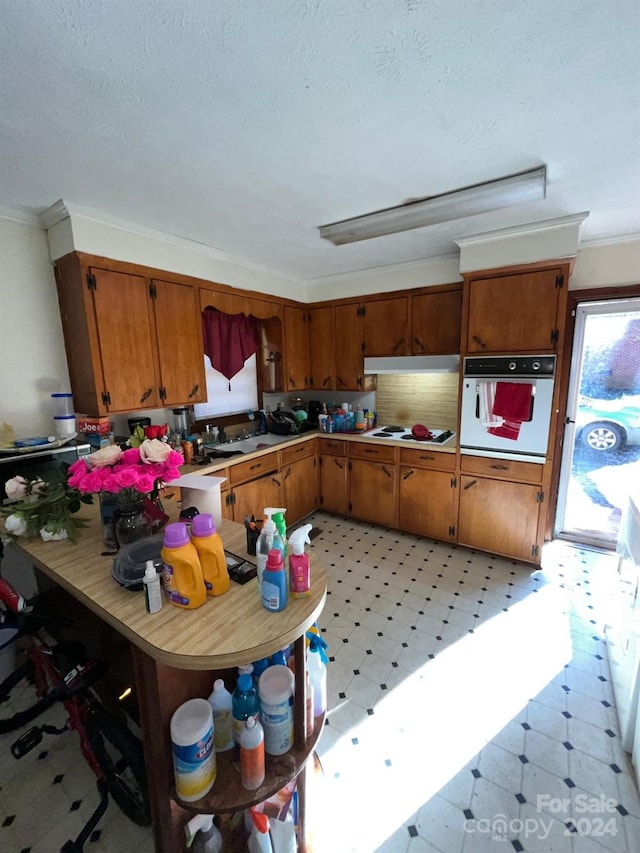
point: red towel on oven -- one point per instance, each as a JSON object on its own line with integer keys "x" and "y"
{"x": 513, "y": 404}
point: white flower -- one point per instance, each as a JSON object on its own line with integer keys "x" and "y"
{"x": 16, "y": 525}
{"x": 152, "y": 450}
{"x": 16, "y": 488}
{"x": 47, "y": 536}
{"x": 105, "y": 457}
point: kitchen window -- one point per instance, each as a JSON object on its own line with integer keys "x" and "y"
{"x": 229, "y": 397}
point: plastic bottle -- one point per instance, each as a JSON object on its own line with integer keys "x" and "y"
{"x": 278, "y": 658}
{"x": 299, "y": 571}
{"x": 360, "y": 419}
{"x": 245, "y": 669}
{"x": 269, "y": 538}
{"x": 182, "y": 572}
{"x": 203, "y": 834}
{"x": 194, "y": 758}
{"x": 244, "y": 704}
{"x": 221, "y": 705}
{"x": 309, "y": 716}
{"x": 317, "y": 669}
{"x": 152, "y": 588}
{"x": 259, "y": 841}
{"x": 275, "y": 690}
{"x": 259, "y": 667}
{"x": 274, "y": 583}
{"x": 208, "y": 544}
{"x": 281, "y": 527}
{"x": 251, "y": 754}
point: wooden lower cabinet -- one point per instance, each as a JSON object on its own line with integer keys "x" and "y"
{"x": 427, "y": 502}
{"x": 372, "y": 492}
{"x": 300, "y": 482}
{"x": 251, "y": 498}
{"x": 500, "y": 516}
{"x": 333, "y": 484}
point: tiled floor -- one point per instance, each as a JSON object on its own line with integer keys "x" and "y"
{"x": 470, "y": 709}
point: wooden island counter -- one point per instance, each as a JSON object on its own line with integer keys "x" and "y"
{"x": 177, "y": 655}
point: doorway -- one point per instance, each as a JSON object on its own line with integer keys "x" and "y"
{"x": 601, "y": 451}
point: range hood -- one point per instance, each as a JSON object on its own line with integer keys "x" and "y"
{"x": 413, "y": 364}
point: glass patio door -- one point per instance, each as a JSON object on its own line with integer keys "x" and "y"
{"x": 601, "y": 452}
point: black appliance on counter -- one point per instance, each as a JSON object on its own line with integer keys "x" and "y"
{"x": 313, "y": 410}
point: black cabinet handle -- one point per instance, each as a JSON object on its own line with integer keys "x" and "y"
{"x": 399, "y": 344}
{"x": 324, "y": 381}
{"x": 341, "y": 380}
{"x": 337, "y": 462}
{"x": 194, "y": 391}
{"x": 146, "y": 394}
{"x": 419, "y": 343}
{"x": 472, "y": 483}
{"x": 288, "y": 474}
{"x": 257, "y": 465}
{"x": 388, "y": 473}
{"x": 292, "y": 382}
{"x": 408, "y": 474}
{"x": 480, "y": 342}
{"x": 500, "y": 467}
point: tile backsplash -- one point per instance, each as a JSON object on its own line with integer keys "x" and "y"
{"x": 418, "y": 398}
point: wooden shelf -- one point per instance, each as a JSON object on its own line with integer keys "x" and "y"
{"x": 228, "y": 795}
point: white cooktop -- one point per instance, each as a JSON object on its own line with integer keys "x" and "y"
{"x": 398, "y": 433}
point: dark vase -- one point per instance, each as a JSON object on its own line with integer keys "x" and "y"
{"x": 132, "y": 524}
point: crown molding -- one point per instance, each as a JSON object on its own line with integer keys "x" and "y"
{"x": 613, "y": 240}
{"x": 62, "y": 210}
{"x": 575, "y": 219}
{"x": 21, "y": 216}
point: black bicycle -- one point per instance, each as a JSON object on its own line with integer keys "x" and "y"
{"x": 61, "y": 671}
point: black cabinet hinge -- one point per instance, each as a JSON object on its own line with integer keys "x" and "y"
{"x": 106, "y": 398}
{"x": 535, "y": 550}
{"x": 162, "y": 392}
{"x": 153, "y": 293}
{"x": 350, "y": 466}
{"x": 91, "y": 281}
{"x": 454, "y": 482}
{"x": 363, "y": 346}
{"x": 555, "y": 336}
{"x": 349, "y": 506}
{"x": 452, "y": 531}
{"x": 360, "y": 312}
{"x": 559, "y": 281}
{"x": 321, "y": 500}
{"x": 540, "y": 497}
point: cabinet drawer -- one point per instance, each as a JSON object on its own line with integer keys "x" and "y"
{"x": 427, "y": 459}
{"x": 253, "y": 468}
{"x": 333, "y": 446}
{"x": 505, "y": 469}
{"x": 300, "y": 451}
{"x": 372, "y": 452}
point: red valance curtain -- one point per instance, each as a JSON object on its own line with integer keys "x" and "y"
{"x": 229, "y": 339}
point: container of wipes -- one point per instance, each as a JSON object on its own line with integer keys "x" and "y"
{"x": 275, "y": 689}
{"x": 194, "y": 756}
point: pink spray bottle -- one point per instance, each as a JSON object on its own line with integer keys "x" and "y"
{"x": 299, "y": 571}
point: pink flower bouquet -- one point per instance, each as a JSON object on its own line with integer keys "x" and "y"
{"x": 130, "y": 475}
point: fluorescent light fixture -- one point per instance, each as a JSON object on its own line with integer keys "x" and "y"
{"x": 469, "y": 201}
{"x": 413, "y": 364}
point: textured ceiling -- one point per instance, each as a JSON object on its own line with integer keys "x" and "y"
{"x": 246, "y": 124}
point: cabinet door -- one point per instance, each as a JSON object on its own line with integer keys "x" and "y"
{"x": 124, "y": 321}
{"x": 515, "y": 313}
{"x": 436, "y": 323}
{"x": 180, "y": 348}
{"x": 427, "y": 503}
{"x": 321, "y": 349}
{"x": 348, "y": 347}
{"x": 372, "y": 491}
{"x": 385, "y": 326}
{"x": 300, "y": 480}
{"x": 499, "y": 516}
{"x": 333, "y": 484}
{"x": 296, "y": 337}
{"x": 251, "y": 498}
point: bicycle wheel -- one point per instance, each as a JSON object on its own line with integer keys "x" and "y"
{"x": 119, "y": 754}
{"x": 19, "y": 701}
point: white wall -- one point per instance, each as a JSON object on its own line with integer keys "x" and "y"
{"x": 607, "y": 266}
{"x": 33, "y": 362}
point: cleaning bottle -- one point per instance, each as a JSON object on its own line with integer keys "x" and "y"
{"x": 274, "y": 583}
{"x": 299, "y": 572}
{"x": 281, "y": 527}
{"x": 152, "y": 588}
{"x": 251, "y": 754}
{"x": 203, "y": 834}
{"x": 317, "y": 669}
{"x": 269, "y": 538}
{"x": 182, "y": 572}
{"x": 221, "y": 705}
{"x": 244, "y": 704}
{"x": 208, "y": 544}
{"x": 259, "y": 840}
{"x": 194, "y": 757}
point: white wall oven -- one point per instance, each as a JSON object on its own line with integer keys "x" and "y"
{"x": 506, "y": 406}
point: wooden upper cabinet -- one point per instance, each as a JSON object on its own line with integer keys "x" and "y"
{"x": 516, "y": 313}
{"x": 436, "y": 323}
{"x": 237, "y": 303}
{"x": 179, "y": 339}
{"x": 321, "y": 349}
{"x": 123, "y": 315}
{"x": 296, "y": 349}
{"x": 348, "y": 347}
{"x": 385, "y": 326}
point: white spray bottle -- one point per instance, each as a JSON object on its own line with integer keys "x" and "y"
{"x": 299, "y": 571}
{"x": 269, "y": 538}
{"x": 203, "y": 834}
